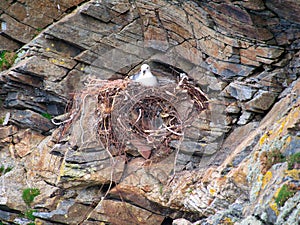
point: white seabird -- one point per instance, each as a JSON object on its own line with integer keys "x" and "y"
{"x": 145, "y": 77}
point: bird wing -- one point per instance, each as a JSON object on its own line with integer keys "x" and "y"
{"x": 134, "y": 76}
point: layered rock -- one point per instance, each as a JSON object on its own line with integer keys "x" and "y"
{"x": 243, "y": 55}
{"x": 23, "y": 20}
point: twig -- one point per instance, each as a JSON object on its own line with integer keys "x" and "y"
{"x": 139, "y": 117}
{"x": 168, "y": 128}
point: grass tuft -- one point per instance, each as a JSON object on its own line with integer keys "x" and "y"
{"x": 29, "y": 194}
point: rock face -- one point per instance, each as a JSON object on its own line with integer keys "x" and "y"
{"x": 23, "y": 20}
{"x": 237, "y": 162}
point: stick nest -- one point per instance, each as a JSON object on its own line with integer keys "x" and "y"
{"x": 137, "y": 120}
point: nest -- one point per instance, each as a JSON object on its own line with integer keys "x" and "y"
{"x": 137, "y": 120}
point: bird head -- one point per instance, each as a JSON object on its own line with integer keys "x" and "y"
{"x": 145, "y": 68}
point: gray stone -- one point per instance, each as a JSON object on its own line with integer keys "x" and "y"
{"x": 269, "y": 81}
{"x": 250, "y": 220}
{"x": 287, "y": 10}
{"x": 10, "y": 45}
{"x": 290, "y": 208}
{"x": 29, "y": 119}
{"x": 25, "y": 79}
{"x": 92, "y": 173}
{"x": 262, "y": 101}
{"x": 93, "y": 10}
{"x": 37, "y": 100}
{"x": 75, "y": 31}
{"x": 190, "y": 147}
{"x": 271, "y": 215}
{"x": 22, "y": 221}
{"x": 210, "y": 148}
{"x": 240, "y": 91}
{"x": 7, "y": 131}
{"x": 241, "y": 156}
{"x": 228, "y": 70}
{"x": 294, "y": 146}
{"x": 181, "y": 221}
{"x": 7, "y": 216}
{"x": 233, "y": 108}
{"x": 242, "y": 132}
{"x": 245, "y": 118}
{"x": 43, "y": 68}
{"x": 21, "y": 32}
{"x": 108, "y": 210}
{"x": 66, "y": 207}
{"x": 107, "y": 60}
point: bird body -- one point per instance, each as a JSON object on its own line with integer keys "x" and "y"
{"x": 145, "y": 77}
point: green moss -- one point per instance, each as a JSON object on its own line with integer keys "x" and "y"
{"x": 47, "y": 115}
{"x": 29, "y": 214}
{"x": 275, "y": 157}
{"x": 284, "y": 194}
{"x": 268, "y": 159}
{"x": 4, "y": 170}
{"x": 29, "y": 194}
{"x": 161, "y": 187}
{"x": 190, "y": 190}
{"x": 1, "y": 122}
{"x": 293, "y": 160}
{"x": 37, "y": 31}
{"x": 7, "y": 59}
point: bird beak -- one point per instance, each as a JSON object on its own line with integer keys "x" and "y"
{"x": 144, "y": 71}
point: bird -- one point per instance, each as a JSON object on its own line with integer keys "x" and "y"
{"x": 145, "y": 77}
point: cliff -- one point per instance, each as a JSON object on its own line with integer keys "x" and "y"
{"x": 76, "y": 143}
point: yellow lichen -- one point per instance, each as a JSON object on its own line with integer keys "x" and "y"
{"x": 61, "y": 171}
{"x": 274, "y": 207}
{"x": 282, "y": 125}
{"x": 212, "y": 191}
{"x": 287, "y": 121}
{"x": 227, "y": 221}
{"x": 288, "y": 140}
{"x": 295, "y": 173}
{"x": 259, "y": 178}
{"x": 55, "y": 61}
{"x": 276, "y": 193}
{"x": 266, "y": 179}
{"x": 47, "y": 49}
{"x": 263, "y": 139}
